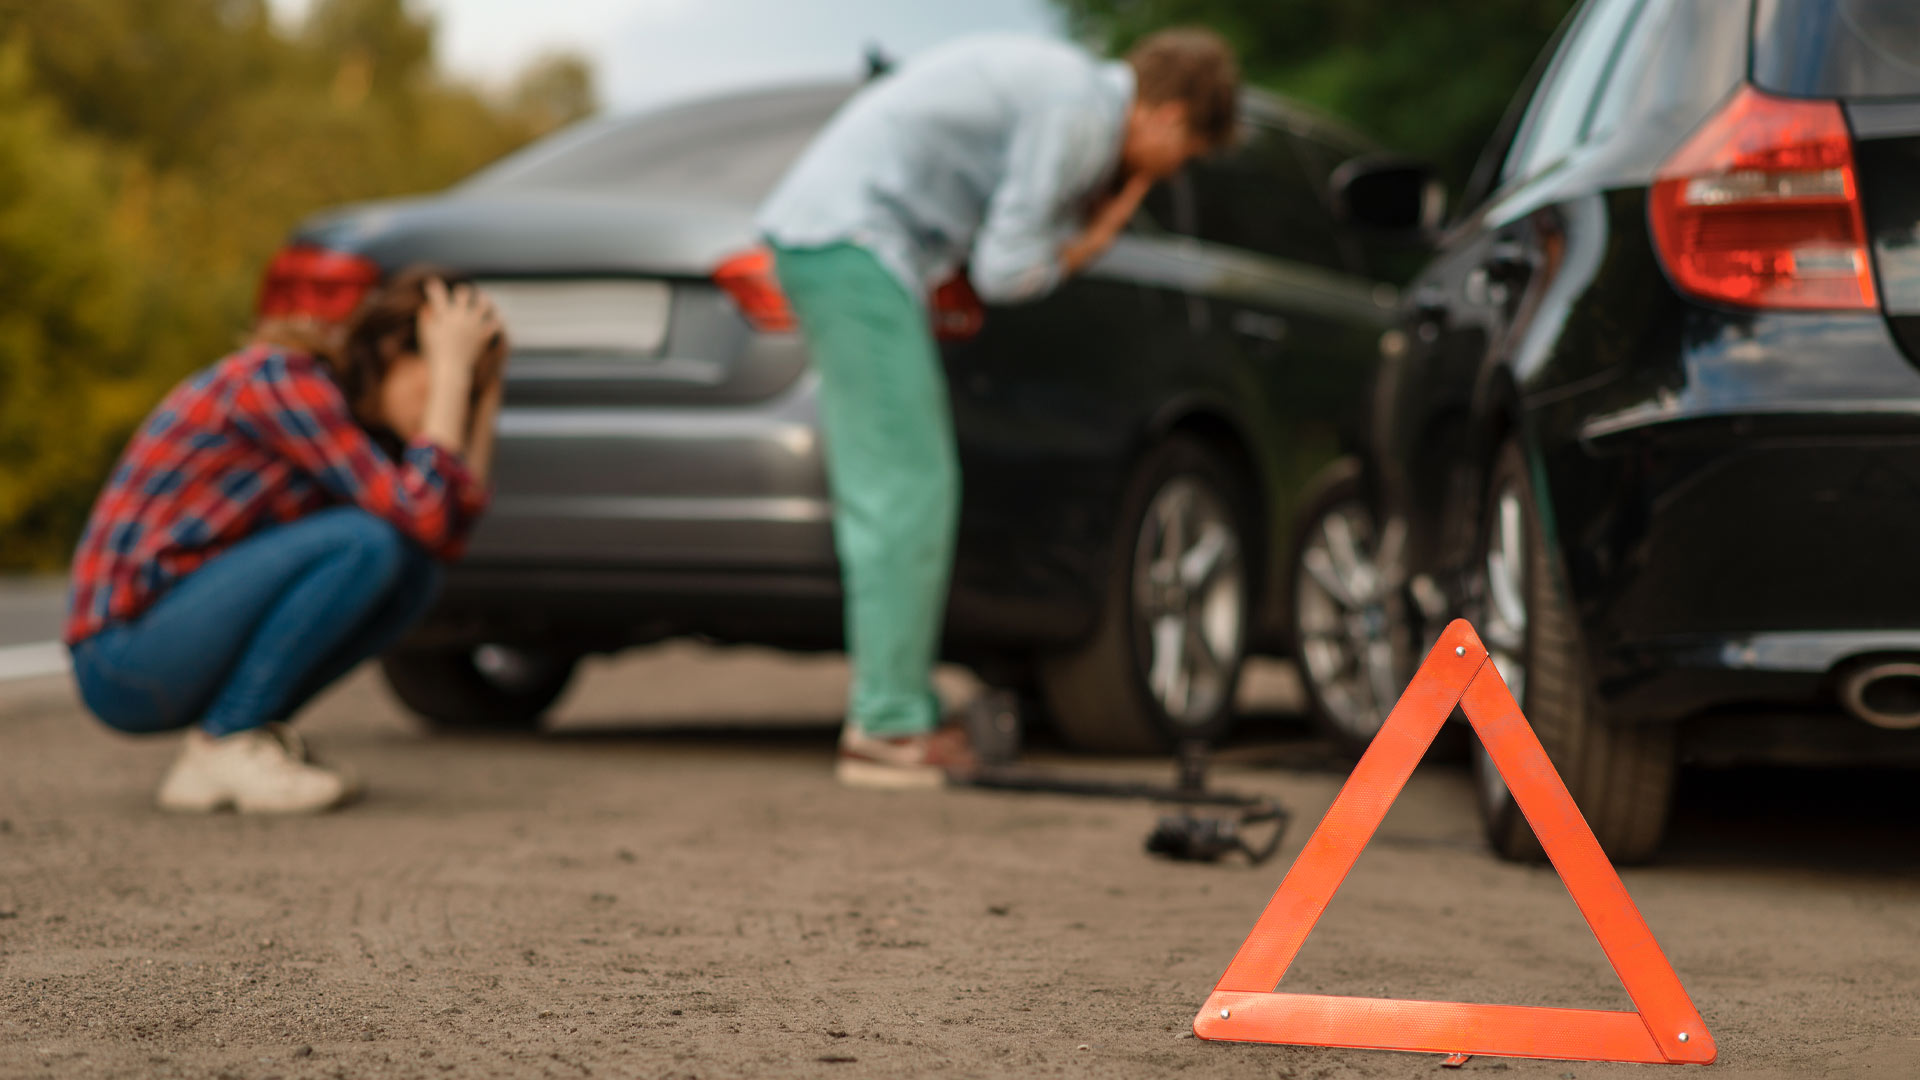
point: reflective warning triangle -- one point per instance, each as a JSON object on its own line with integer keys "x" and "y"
{"x": 1664, "y": 1028}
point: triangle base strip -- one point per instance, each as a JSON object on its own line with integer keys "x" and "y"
{"x": 1664, "y": 1028}
{"x": 1440, "y": 1027}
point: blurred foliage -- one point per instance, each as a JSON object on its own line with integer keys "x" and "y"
{"x": 1427, "y": 77}
{"x": 153, "y": 155}
{"x": 554, "y": 90}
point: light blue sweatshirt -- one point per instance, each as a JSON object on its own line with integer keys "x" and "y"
{"x": 982, "y": 151}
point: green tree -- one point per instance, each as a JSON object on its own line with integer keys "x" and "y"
{"x": 76, "y": 293}
{"x": 388, "y": 44}
{"x": 158, "y": 78}
{"x": 1429, "y": 77}
{"x": 554, "y": 90}
{"x": 153, "y": 155}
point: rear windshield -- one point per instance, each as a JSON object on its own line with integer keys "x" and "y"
{"x": 727, "y": 151}
{"x": 1838, "y": 48}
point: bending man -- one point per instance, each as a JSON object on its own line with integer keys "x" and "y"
{"x": 1020, "y": 160}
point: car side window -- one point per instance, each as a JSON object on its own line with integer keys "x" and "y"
{"x": 1557, "y": 119}
{"x": 1258, "y": 198}
{"x": 1636, "y": 44}
{"x": 1696, "y": 52}
{"x": 1488, "y": 166}
{"x": 1316, "y": 158}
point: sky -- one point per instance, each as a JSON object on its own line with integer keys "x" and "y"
{"x": 647, "y": 51}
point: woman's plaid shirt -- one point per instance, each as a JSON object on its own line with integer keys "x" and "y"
{"x": 261, "y": 438}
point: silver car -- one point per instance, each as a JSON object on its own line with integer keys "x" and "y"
{"x": 1138, "y": 449}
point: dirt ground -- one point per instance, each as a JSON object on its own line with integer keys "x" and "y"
{"x": 670, "y": 885}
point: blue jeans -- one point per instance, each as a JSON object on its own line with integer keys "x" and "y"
{"x": 256, "y": 632}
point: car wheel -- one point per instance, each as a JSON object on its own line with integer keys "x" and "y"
{"x": 1164, "y": 661}
{"x": 1348, "y": 632}
{"x": 483, "y": 688}
{"x": 1621, "y": 777}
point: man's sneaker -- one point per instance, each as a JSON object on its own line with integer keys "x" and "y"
{"x": 905, "y": 761}
{"x": 261, "y": 771}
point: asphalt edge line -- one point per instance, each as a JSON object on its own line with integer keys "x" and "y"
{"x": 35, "y": 661}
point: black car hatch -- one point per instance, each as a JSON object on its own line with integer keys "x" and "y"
{"x": 1866, "y": 55}
{"x": 1887, "y": 155}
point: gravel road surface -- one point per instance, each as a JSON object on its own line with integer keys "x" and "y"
{"x": 670, "y": 885}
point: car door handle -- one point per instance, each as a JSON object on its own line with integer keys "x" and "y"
{"x": 1259, "y": 326}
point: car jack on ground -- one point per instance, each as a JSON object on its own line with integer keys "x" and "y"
{"x": 1233, "y": 822}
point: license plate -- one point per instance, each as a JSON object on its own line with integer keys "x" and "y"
{"x": 597, "y": 317}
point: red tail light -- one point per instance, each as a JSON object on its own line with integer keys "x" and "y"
{"x": 957, "y": 311}
{"x": 748, "y": 278}
{"x": 1761, "y": 208}
{"x": 315, "y": 282}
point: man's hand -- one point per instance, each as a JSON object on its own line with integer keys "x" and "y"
{"x": 1106, "y": 224}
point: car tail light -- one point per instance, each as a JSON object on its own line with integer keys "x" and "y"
{"x": 316, "y": 283}
{"x": 748, "y": 278}
{"x": 1761, "y": 208}
{"x": 957, "y": 311}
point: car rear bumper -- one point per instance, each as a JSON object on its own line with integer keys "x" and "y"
{"x": 1745, "y": 529}
{"x": 615, "y": 524}
{"x": 664, "y": 487}
{"x": 1667, "y": 679}
{"x": 661, "y": 530}
{"x": 619, "y": 524}
{"x": 603, "y": 608}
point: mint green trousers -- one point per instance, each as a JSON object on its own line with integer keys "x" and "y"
{"x": 893, "y": 470}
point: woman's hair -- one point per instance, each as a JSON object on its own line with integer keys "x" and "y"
{"x": 300, "y": 333}
{"x": 383, "y": 328}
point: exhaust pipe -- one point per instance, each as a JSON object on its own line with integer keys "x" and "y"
{"x": 1885, "y": 694}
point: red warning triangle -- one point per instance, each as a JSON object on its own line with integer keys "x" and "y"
{"x": 1664, "y": 1028}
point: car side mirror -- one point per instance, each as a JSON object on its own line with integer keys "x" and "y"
{"x": 1394, "y": 197}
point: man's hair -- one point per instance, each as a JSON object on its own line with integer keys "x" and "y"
{"x": 1195, "y": 66}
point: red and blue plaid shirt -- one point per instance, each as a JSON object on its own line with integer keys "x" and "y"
{"x": 259, "y": 439}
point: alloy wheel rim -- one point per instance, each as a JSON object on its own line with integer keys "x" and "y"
{"x": 1189, "y": 601}
{"x": 1504, "y": 616}
{"x": 1346, "y": 643}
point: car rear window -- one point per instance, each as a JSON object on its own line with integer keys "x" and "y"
{"x": 1837, "y": 48}
{"x": 726, "y": 151}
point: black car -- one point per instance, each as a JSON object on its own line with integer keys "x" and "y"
{"x": 1652, "y": 418}
{"x": 1135, "y": 448}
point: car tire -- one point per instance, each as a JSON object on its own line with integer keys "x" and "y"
{"x": 1348, "y": 625}
{"x": 1132, "y": 688}
{"x": 1621, "y": 777}
{"x": 488, "y": 688}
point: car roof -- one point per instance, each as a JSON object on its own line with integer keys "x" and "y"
{"x": 574, "y": 155}
{"x": 768, "y": 125}
{"x": 1263, "y": 107}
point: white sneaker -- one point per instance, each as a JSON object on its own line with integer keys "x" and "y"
{"x": 261, "y": 771}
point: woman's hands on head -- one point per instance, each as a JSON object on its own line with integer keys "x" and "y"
{"x": 462, "y": 343}
{"x": 456, "y": 328}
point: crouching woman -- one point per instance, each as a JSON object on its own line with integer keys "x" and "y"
{"x": 274, "y": 522}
